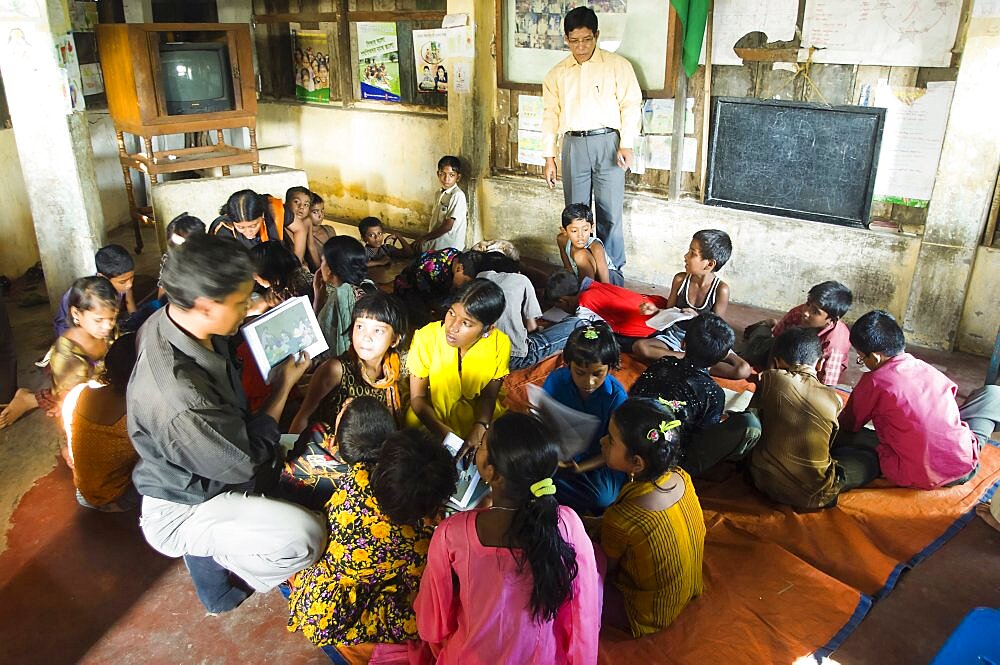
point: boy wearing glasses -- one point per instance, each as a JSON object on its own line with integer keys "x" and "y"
{"x": 592, "y": 103}
{"x": 449, "y": 217}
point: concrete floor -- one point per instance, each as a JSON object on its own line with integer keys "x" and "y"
{"x": 80, "y": 586}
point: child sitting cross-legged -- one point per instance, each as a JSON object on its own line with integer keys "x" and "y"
{"x": 711, "y": 436}
{"x": 696, "y": 291}
{"x": 585, "y": 384}
{"x": 791, "y": 462}
{"x": 382, "y": 249}
{"x": 117, "y": 265}
{"x": 654, "y": 533}
{"x": 922, "y": 438}
{"x": 457, "y": 366}
{"x": 380, "y": 519}
{"x": 825, "y": 306}
{"x": 583, "y": 253}
{"x": 517, "y": 582}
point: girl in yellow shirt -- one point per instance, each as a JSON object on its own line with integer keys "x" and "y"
{"x": 457, "y": 366}
{"x": 654, "y": 533}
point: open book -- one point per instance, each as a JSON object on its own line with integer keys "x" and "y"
{"x": 574, "y": 430}
{"x": 471, "y": 487}
{"x": 668, "y": 317}
{"x": 287, "y": 330}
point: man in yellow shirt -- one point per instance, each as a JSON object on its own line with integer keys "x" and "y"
{"x": 593, "y": 101}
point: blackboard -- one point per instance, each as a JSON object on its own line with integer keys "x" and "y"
{"x": 809, "y": 161}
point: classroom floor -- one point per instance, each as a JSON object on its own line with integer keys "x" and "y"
{"x": 81, "y": 586}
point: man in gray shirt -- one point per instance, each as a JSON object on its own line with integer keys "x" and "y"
{"x": 205, "y": 461}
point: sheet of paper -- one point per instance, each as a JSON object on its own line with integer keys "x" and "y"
{"x": 915, "y": 123}
{"x": 640, "y": 155}
{"x": 529, "y": 147}
{"x": 554, "y": 314}
{"x": 91, "y": 76}
{"x": 658, "y": 116}
{"x": 732, "y": 19}
{"x": 462, "y": 76}
{"x": 430, "y": 52}
{"x": 668, "y": 317}
{"x": 460, "y": 41}
{"x": 529, "y": 113}
{"x": 659, "y": 153}
{"x": 910, "y": 33}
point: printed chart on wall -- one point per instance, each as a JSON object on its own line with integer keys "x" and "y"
{"x": 430, "y": 55}
{"x": 539, "y": 22}
{"x": 733, "y": 19}
{"x": 915, "y": 122}
{"x": 909, "y": 33}
{"x": 311, "y": 58}
{"x": 378, "y": 61}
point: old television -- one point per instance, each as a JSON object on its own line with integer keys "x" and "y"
{"x": 159, "y": 74}
{"x": 196, "y": 77}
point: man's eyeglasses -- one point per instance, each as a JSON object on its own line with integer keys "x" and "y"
{"x": 586, "y": 41}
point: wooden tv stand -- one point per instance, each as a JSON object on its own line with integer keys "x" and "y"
{"x": 153, "y": 163}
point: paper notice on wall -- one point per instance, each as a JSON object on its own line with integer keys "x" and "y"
{"x": 640, "y": 155}
{"x": 67, "y": 59}
{"x": 915, "y": 33}
{"x": 462, "y": 74}
{"x": 378, "y": 61}
{"x": 658, "y": 116}
{"x": 83, "y": 16}
{"x": 311, "y": 60}
{"x": 529, "y": 147}
{"x": 429, "y": 53}
{"x": 529, "y": 112}
{"x": 460, "y": 42}
{"x": 91, "y": 77}
{"x": 660, "y": 150}
{"x": 732, "y": 19}
{"x": 915, "y": 123}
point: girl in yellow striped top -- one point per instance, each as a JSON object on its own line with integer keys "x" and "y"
{"x": 654, "y": 533}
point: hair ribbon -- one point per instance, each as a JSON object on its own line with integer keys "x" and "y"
{"x": 543, "y": 487}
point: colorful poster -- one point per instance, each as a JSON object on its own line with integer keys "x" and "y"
{"x": 529, "y": 147}
{"x": 529, "y": 112}
{"x": 311, "y": 59}
{"x": 539, "y": 23}
{"x": 67, "y": 59}
{"x": 429, "y": 54}
{"x": 378, "y": 61}
{"x": 92, "y": 81}
{"x": 83, "y": 16}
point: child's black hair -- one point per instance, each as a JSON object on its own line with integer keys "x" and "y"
{"x": 878, "y": 332}
{"x": 580, "y": 17}
{"x": 346, "y": 258}
{"x": 832, "y": 297}
{"x": 470, "y": 260}
{"x": 206, "y": 266}
{"x": 244, "y": 206}
{"x": 315, "y": 199}
{"x": 482, "y": 299}
{"x": 593, "y": 344}
{"x": 365, "y": 423}
{"x": 384, "y": 308}
{"x": 297, "y": 189}
{"x": 523, "y": 453}
{"x": 113, "y": 261}
{"x": 708, "y": 340}
{"x": 184, "y": 225}
{"x": 560, "y": 284}
{"x": 498, "y": 262}
{"x": 368, "y": 223}
{"x": 641, "y": 421}
{"x": 798, "y": 346}
{"x": 120, "y": 361}
{"x": 715, "y": 246}
{"x": 576, "y": 211}
{"x": 450, "y": 160}
{"x": 88, "y": 293}
{"x": 274, "y": 263}
{"x": 414, "y": 477}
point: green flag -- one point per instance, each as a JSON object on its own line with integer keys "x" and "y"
{"x": 693, "y": 15}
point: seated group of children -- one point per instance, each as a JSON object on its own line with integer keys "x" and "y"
{"x": 612, "y": 534}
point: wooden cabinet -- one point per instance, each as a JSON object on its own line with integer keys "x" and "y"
{"x": 136, "y": 59}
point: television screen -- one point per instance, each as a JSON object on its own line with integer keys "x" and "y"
{"x": 196, "y": 78}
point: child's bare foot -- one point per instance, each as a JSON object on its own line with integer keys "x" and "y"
{"x": 24, "y": 401}
{"x": 983, "y": 510}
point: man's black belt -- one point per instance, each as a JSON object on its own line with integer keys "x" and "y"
{"x": 592, "y": 132}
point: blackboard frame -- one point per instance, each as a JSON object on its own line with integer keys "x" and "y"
{"x": 711, "y": 186}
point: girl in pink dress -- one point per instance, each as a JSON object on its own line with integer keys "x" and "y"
{"x": 517, "y": 582}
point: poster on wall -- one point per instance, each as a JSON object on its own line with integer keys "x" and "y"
{"x": 70, "y": 64}
{"x": 91, "y": 77}
{"x": 430, "y": 54}
{"x": 311, "y": 59}
{"x": 83, "y": 16}
{"x": 539, "y": 23}
{"x": 378, "y": 61}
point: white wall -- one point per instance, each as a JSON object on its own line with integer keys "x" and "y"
{"x": 19, "y": 249}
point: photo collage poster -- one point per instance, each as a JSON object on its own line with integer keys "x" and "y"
{"x": 378, "y": 61}
{"x": 311, "y": 60}
{"x": 538, "y": 24}
{"x": 430, "y": 56}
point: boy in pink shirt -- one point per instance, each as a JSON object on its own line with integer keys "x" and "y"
{"x": 825, "y": 306}
{"x": 920, "y": 439}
